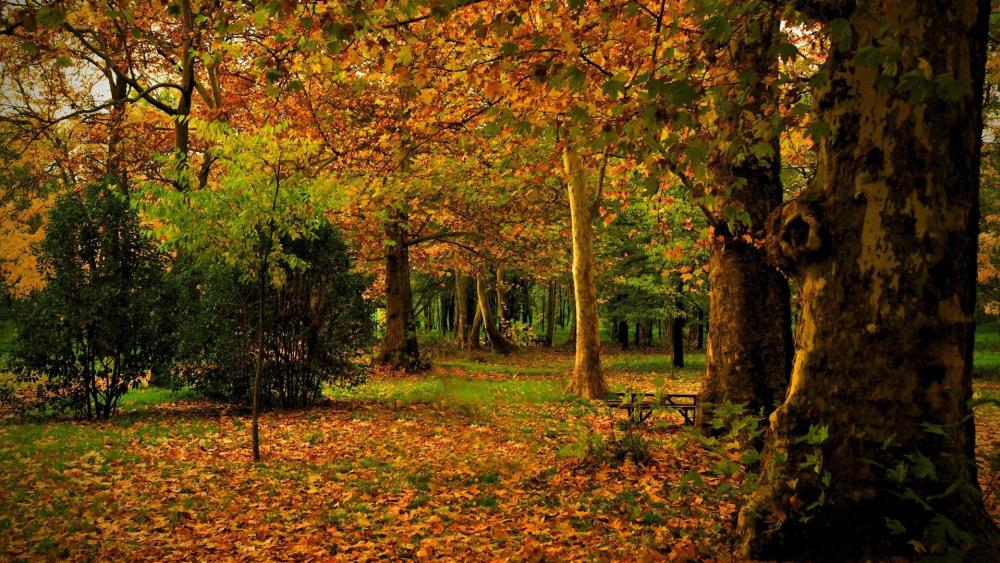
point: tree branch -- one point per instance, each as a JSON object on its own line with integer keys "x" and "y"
{"x": 403, "y": 23}
{"x": 438, "y": 236}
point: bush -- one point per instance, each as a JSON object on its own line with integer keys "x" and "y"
{"x": 315, "y": 327}
{"x": 100, "y": 323}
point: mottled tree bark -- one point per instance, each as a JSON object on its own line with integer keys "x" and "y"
{"x": 883, "y": 247}
{"x": 400, "y": 348}
{"x": 497, "y": 341}
{"x": 750, "y": 346}
{"x": 588, "y": 380}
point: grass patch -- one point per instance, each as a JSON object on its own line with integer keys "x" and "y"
{"x": 474, "y": 366}
{"x": 653, "y": 363}
{"x": 138, "y": 399}
{"x": 453, "y": 391}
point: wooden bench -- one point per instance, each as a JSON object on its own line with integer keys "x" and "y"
{"x": 641, "y": 405}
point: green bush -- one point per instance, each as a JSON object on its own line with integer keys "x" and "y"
{"x": 101, "y": 323}
{"x": 315, "y": 327}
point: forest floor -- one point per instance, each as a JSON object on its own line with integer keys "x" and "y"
{"x": 481, "y": 458}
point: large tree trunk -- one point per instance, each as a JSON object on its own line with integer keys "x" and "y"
{"x": 588, "y": 380}
{"x": 550, "y": 315}
{"x": 883, "y": 247}
{"x": 497, "y": 341}
{"x": 399, "y": 349}
{"x": 750, "y": 347}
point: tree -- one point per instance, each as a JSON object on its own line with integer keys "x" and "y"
{"x": 399, "y": 347}
{"x": 267, "y": 195}
{"x": 874, "y": 445}
{"x": 489, "y": 320}
{"x": 588, "y": 380}
{"x": 750, "y": 345}
{"x": 313, "y": 327}
{"x": 101, "y": 322}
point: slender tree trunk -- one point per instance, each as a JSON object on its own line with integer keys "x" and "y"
{"x": 550, "y": 315}
{"x": 182, "y": 123}
{"x": 258, "y": 367}
{"x": 588, "y": 380}
{"x": 677, "y": 338}
{"x": 883, "y": 248}
{"x": 500, "y": 300}
{"x": 477, "y": 323}
{"x": 700, "y": 342}
{"x": 497, "y": 341}
{"x": 622, "y": 328}
{"x": 461, "y": 301}
{"x": 400, "y": 348}
{"x": 750, "y": 349}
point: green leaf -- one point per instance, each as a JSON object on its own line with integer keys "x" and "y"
{"x": 895, "y": 526}
{"x": 787, "y": 51}
{"x": 762, "y": 150}
{"x": 50, "y": 16}
{"x": 840, "y": 33}
{"x": 680, "y": 93}
{"x": 613, "y": 87}
{"x": 725, "y": 467}
{"x": 923, "y": 467}
{"x": 576, "y": 78}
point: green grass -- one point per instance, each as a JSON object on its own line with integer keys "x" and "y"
{"x": 453, "y": 390}
{"x": 986, "y": 354}
{"x": 139, "y": 399}
{"x": 474, "y": 366}
{"x": 653, "y": 363}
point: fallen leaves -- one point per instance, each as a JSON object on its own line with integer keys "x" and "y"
{"x": 359, "y": 480}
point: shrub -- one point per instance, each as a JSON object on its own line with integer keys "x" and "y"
{"x": 100, "y": 323}
{"x": 316, "y": 325}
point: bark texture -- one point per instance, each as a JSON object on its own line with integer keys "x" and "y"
{"x": 588, "y": 380}
{"x": 750, "y": 346}
{"x": 399, "y": 349}
{"x": 883, "y": 246}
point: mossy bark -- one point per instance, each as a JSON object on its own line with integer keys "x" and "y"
{"x": 588, "y": 380}
{"x": 883, "y": 246}
{"x": 750, "y": 345}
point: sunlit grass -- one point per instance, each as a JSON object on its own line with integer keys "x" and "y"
{"x": 453, "y": 390}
